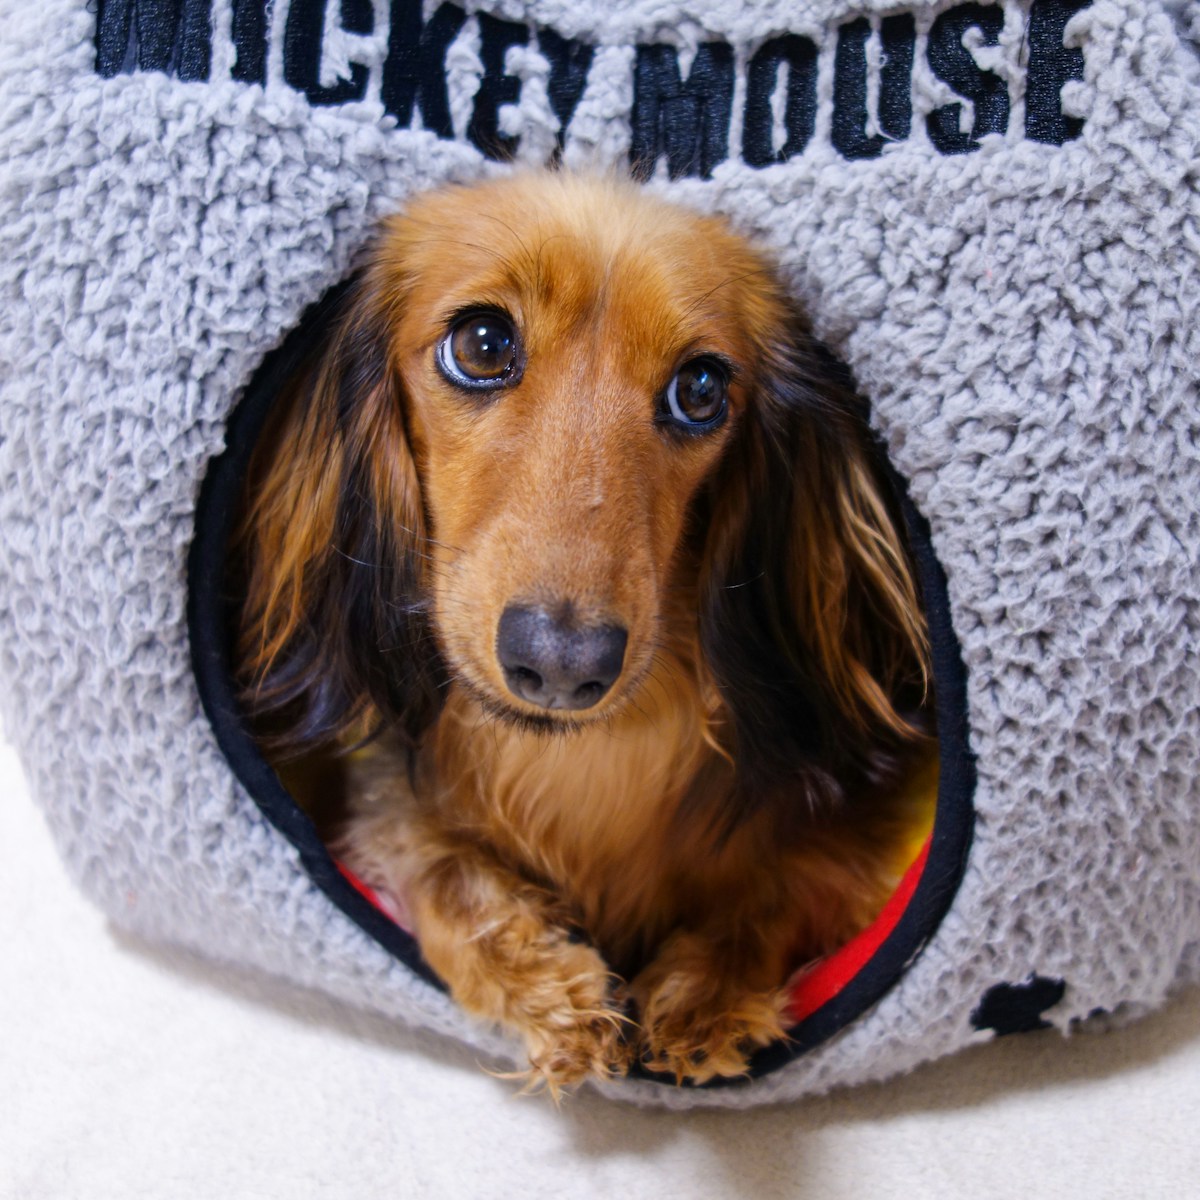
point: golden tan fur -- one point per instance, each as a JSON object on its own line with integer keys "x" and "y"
{"x": 506, "y": 826}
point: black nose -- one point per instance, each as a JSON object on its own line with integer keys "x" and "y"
{"x": 556, "y": 662}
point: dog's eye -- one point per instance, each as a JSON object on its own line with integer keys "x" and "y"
{"x": 480, "y": 351}
{"x": 695, "y": 398}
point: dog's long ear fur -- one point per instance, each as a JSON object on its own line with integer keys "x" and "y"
{"x": 333, "y": 636}
{"x": 810, "y": 615}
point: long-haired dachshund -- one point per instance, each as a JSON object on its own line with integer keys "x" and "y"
{"x": 570, "y": 509}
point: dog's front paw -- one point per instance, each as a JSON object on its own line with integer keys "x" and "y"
{"x": 697, "y": 1022}
{"x": 561, "y": 1002}
{"x": 502, "y": 947}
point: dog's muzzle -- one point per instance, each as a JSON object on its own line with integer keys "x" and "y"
{"x": 553, "y": 661}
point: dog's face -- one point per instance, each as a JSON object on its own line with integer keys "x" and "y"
{"x": 573, "y": 360}
{"x": 556, "y": 426}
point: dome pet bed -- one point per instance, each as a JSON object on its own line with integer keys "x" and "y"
{"x": 992, "y": 211}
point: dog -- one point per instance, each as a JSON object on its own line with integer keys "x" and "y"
{"x": 572, "y": 524}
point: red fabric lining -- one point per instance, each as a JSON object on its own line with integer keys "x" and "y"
{"x": 367, "y": 892}
{"x": 828, "y": 976}
{"x": 814, "y": 986}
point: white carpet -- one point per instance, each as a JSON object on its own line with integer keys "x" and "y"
{"x": 127, "y": 1071}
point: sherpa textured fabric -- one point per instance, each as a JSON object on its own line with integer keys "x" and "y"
{"x": 992, "y": 212}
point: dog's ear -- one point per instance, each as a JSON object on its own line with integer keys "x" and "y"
{"x": 810, "y": 616}
{"x": 333, "y": 637}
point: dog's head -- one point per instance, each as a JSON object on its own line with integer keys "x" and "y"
{"x": 557, "y": 417}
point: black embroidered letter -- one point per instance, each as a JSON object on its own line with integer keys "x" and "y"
{"x": 800, "y": 112}
{"x": 569, "y": 65}
{"x": 302, "y": 39}
{"x": 495, "y": 88}
{"x": 415, "y": 71}
{"x": 898, "y": 35}
{"x": 689, "y": 122}
{"x": 952, "y": 63}
{"x": 849, "y": 132}
{"x": 1051, "y": 64}
{"x": 172, "y": 36}
{"x": 250, "y": 38}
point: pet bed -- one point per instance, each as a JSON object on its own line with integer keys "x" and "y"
{"x": 990, "y": 209}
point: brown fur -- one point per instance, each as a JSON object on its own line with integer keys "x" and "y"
{"x": 735, "y": 805}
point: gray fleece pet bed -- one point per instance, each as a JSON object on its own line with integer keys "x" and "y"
{"x": 992, "y": 212}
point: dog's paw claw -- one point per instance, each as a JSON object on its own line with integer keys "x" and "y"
{"x": 594, "y": 1049}
{"x": 571, "y": 1025}
{"x": 696, "y": 1032}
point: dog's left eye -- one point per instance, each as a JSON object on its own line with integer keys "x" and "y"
{"x": 480, "y": 351}
{"x": 696, "y": 397}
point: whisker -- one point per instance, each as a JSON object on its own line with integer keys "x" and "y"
{"x": 444, "y": 239}
{"x": 519, "y": 240}
{"x": 687, "y": 312}
{"x": 429, "y": 538}
{"x": 731, "y": 587}
{"x": 357, "y": 561}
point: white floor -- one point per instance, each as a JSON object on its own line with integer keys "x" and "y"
{"x": 126, "y": 1071}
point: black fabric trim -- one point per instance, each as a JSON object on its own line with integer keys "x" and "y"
{"x": 954, "y": 822}
{"x": 209, "y": 624}
{"x": 953, "y": 829}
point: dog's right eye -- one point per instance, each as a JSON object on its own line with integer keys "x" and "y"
{"x": 481, "y": 350}
{"x": 696, "y": 398}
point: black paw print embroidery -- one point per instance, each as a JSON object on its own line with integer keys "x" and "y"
{"x": 1018, "y": 1007}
